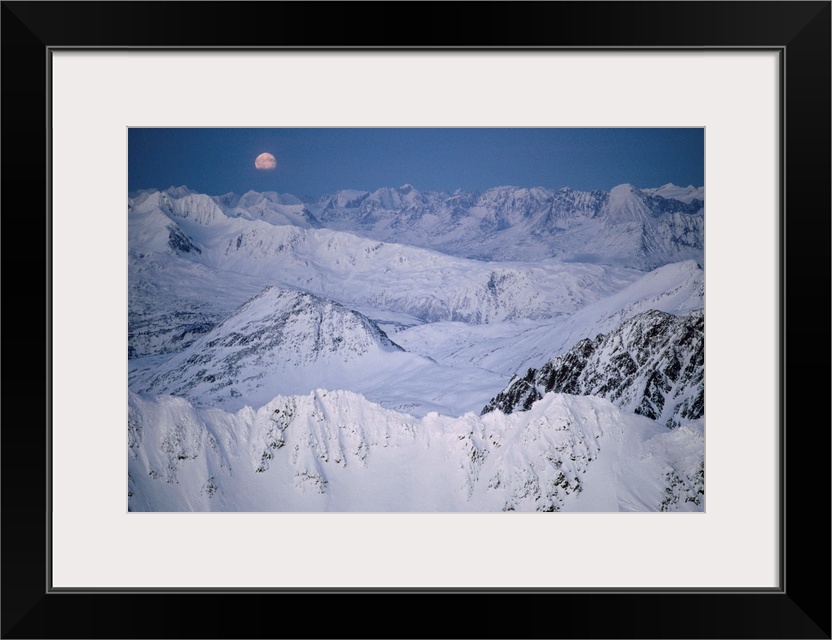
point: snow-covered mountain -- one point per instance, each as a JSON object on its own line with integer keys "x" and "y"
{"x": 270, "y": 206}
{"x": 335, "y": 451}
{"x": 298, "y": 355}
{"x": 652, "y": 365}
{"x": 425, "y": 284}
{"x": 685, "y": 194}
{"x": 512, "y": 347}
{"x": 274, "y": 208}
{"x": 172, "y": 301}
{"x": 353, "y": 270}
{"x": 629, "y": 227}
{"x": 529, "y": 224}
{"x": 286, "y": 341}
{"x": 641, "y": 229}
{"x": 278, "y": 330}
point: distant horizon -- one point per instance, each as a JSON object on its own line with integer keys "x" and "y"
{"x": 136, "y": 192}
{"x": 310, "y": 163}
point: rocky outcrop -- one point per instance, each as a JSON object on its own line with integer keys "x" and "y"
{"x": 652, "y": 365}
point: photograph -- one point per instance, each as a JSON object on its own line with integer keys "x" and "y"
{"x": 415, "y": 311}
{"x": 416, "y": 319}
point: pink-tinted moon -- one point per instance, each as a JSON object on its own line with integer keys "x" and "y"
{"x": 265, "y": 161}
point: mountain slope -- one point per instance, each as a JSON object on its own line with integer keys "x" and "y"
{"x": 335, "y": 451}
{"x": 361, "y": 272}
{"x": 627, "y": 227}
{"x": 278, "y": 332}
{"x": 652, "y": 365}
{"x": 172, "y": 301}
{"x": 274, "y": 208}
{"x": 243, "y": 240}
{"x": 422, "y": 283}
{"x": 510, "y": 347}
{"x": 684, "y": 194}
{"x": 286, "y": 341}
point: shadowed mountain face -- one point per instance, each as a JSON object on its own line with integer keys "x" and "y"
{"x": 652, "y": 365}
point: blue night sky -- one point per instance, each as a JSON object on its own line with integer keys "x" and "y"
{"x": 313, "y": 162}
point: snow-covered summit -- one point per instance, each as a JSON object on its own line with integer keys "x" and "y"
{"x": 179, "y": 202}
{"x": 518, "y": 223}
{"x": 178, "y": 192}
{"x": 683, "y": 194}
{"x": 272, "y": 207}
{"x": 279, "y": 332}
{"x": 627, "y": 226}
{"x": 282, "y": 311}
{"x": 625, "y": 205}
{"x": 288, "y": 341}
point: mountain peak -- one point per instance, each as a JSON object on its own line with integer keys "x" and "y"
{"x": 625, "y": 205}
{"x": 272, "y": 342}
{"x": 652, "y": 365}
{"x": 178, "y": 192}
{"x": 671, "y": 191}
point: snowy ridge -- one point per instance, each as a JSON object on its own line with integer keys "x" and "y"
{"x": 277, "y": 331}
{"x": 335, "y": 451}
{"x": 361, "y": 272}
{"x": 172, "y": 301}
{"x": 288, "y": 355}
{"x": 179, "y": 202}
{"x": 515, "y": 223}
{"x": 675, "y": 288}
{"x": 358, "y": 271}
{"x": 271, "y": 207}
{"x": 625, "y": 205}
{"x": 652, "y": 365}
{"x": 285, "y": 341}
{"x": 512, "y": 347}
{"x": 684, "y": 194}
{"x": 626, "y": 227}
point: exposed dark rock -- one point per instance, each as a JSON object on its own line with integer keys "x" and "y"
{"x": 178, "y": 241}
{"x": 652, "y": 365}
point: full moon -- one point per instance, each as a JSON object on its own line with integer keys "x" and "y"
{"x": 265, "y": 161}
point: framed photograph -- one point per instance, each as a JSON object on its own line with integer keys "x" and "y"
{"x": 101, "y": 499}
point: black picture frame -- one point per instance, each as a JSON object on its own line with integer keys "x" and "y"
{"x": 798, "y": 608}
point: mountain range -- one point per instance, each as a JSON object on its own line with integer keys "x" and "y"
{"x": 398, "y": 350}
{"x": 627, "y": 226}
{"x": 192, "y": 236}
{"x": 336, "y": 451}
{"x": 624, "y": 227}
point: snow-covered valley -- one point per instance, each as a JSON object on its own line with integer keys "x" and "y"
{"x": 335, "y": 354}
